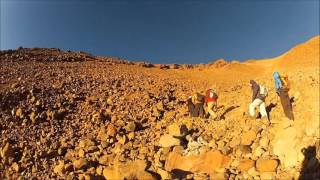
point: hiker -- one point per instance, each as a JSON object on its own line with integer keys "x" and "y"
{"x": 195, "y": 105}
{"x": 259, "y": 94}
{"x": 211, "y": 102}
{"x": 282, "y": 89}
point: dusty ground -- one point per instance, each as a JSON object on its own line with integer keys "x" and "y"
{"x": 72, "y": 115}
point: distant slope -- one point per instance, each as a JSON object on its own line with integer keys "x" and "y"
{"x": 305, "y": 54}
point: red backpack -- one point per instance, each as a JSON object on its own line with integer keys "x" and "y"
{"x": 213, "y": 97}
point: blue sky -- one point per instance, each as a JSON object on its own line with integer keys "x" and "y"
{"x": 165, "y": 31}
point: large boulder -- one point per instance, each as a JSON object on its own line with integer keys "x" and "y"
{"x": 285, "y": 146}
{"x": 245, "y": 165}
{"x": 207, "y": 162}
{"x": 266, "y": 165}
{"x": 130, "y": 170}
{"x": 168, "y": 141}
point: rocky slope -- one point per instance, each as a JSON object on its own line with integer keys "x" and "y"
{"x": 71, "y": 115}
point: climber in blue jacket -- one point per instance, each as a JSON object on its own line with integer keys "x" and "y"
{"x": 277, "y": 81}
{"x": 283, "y": 94}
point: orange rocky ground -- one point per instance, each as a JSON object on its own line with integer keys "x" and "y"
{"x": 68, "y": 115}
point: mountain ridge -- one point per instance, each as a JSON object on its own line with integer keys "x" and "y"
{"x": 298, "y": 51}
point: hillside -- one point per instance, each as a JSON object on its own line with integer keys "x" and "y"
{"x": 73, "y": 115}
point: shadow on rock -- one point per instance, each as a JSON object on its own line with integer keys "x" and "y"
{"x": 11, "y": 99}
{"x": 222, "y": 117}
{"x": 180, "y": 174}
{"x": 292, "y": 99}
{"x": 311, "y": 165}
{"x": 270, "y": 107}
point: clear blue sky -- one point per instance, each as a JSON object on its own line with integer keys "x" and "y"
{"x": 164, "y": 31}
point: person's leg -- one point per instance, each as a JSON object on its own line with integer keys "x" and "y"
{"x": 252, "y": 107}
{"x": 263, "y": 111}
{"x": 198, "y": 109}
{"x": 191, "y": 107}
{"x": 201, "y": 110}
{"x": 211, "y": 112}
